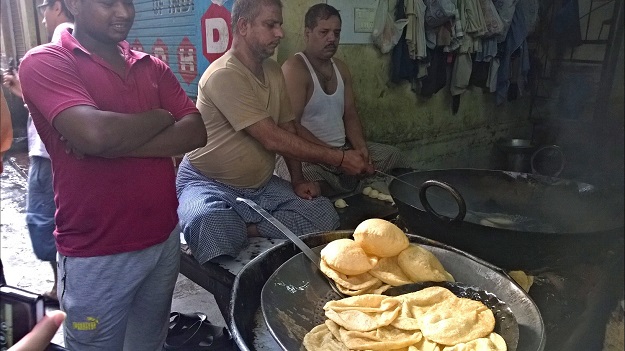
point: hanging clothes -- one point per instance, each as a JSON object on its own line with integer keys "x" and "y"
{"x": 415, "y": 29}
{"x": 488, "y": 50}
{"x": 479, "y": 74}
{"x": 494, "y": 25}
{"x": 505, "y": 9}
{"x": 530, "y": 10}
{"x": 472, "y": 17}
{"x": 461, "y": 73}
{"x": 515, "y": 40}
{"x": 436, "y": 78}
{"x": 402, "y": 66}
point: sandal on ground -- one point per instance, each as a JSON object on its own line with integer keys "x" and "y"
{"x": 193, "y": 332}
{"x": 180, "y": 322}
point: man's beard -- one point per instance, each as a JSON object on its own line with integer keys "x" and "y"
{"x": 263, "y": 52}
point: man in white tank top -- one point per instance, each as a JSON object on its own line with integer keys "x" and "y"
{"x": 320, "y": 89}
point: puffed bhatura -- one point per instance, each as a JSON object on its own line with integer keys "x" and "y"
{"x": 347, "y": 257}
{"x": 420, "y": 265}
{"x": 380, "y": 237}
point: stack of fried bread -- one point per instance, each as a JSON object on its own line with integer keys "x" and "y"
{"x": 380, "y": 256}
{"x": 432, "y": 319}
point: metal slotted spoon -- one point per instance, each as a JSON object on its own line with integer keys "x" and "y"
{"x": 312, "y": 256}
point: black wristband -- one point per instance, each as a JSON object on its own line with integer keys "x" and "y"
{"x": 342, "y": 158}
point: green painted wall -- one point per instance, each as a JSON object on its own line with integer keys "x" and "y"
{"x": 425, "y": 129}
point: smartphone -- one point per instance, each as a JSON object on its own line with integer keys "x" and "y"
{"x": 20, "y": 310}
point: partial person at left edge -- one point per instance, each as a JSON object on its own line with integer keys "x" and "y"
{"x": 6, "y": 139}
{"x": 111, "y": 119}
{"x": 40, "y": 206}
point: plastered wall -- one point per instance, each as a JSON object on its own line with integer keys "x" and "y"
{"x": 427, "y": 132}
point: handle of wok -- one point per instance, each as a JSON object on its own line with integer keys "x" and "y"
{"x": 558, "y": 152}
{"x": 462, "y": 206}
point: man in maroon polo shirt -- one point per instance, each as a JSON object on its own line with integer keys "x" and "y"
{"x": 111, "y": 119}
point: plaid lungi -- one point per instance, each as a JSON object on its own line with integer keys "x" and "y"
{"x": 215, "y": 224}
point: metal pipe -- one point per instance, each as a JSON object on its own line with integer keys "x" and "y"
{"x": 11, "y": 35}
{"x": 37, "y": 31}
{"x": 613, "y": 47}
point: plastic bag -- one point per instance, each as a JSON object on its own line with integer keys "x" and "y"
{"x": 386, "y": 31}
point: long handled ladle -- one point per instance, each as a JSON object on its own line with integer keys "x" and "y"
{"x": 296, "y": 240}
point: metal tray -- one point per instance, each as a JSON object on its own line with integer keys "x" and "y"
{"x": 293, "y": 297}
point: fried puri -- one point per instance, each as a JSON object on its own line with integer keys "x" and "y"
{"x": 380, "y": 237}
{"x": 421, "y": 265}
{"x": 432, "y": 319}
{"x": 347, "y": 257}
{"x": 389, "y": 272}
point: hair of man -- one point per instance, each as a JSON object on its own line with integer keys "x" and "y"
{"x": 249, "y": 10}
{"x": 64, "y": 8}
{"x": 320, "y": 12}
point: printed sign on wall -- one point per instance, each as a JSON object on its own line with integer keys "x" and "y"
{"x": 160, "y": 50}
{"x": 187, "y": 60}
{"x": 216, "y": 32}
{"x": 136, "y": 45}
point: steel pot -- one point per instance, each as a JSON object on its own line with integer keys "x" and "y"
{"x": 513, "y": 220}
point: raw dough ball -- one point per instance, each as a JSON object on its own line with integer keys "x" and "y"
{"x": 367, "y": 190}
{"x": 374, "y": 194}
{"x": 340, "y": 203}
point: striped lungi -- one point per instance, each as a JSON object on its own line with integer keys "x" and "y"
{"x": 384, "y": 158}
{"x": 215, "y": 224}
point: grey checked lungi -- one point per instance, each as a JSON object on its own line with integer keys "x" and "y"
{"x": 215, "y": 224}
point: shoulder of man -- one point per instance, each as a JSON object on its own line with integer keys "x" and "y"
{"x": 65, "y": 26}
{"x": 295, "y": 62}
{"x": 45, "y": 52}
{"x": 295, "y": 68}
{"x": 343, "y": 68}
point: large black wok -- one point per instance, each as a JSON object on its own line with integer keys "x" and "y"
{"x": 513, "y": 220}
{"x": 251, "y": 333}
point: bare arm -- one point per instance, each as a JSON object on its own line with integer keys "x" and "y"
{"x": 302, "y": 187}
{"x": 109, "y": 134}
{"x": 294, "y": 166}
{"x": 185, "y": 135}
{"x": 289, "y": 145}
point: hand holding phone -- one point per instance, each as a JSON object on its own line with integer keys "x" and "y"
{"x": 39, "y": 338}
{"x": 20, "y": 310}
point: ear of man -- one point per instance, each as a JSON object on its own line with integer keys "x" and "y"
{"x": 242, "y": 26}
{"x": 57, "y": 7}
